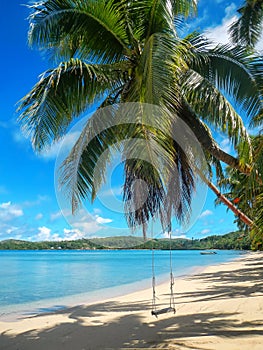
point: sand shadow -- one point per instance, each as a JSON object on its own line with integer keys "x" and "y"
{"x": 86, "y": 329}
{"x": 129, "y": 331}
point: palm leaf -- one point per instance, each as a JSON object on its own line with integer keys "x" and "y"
{"x": 247, "y": 28}
{"x": 143, "y": 192}
{"x": 63, "y": 93}
{"x": 153, "y": 79}
{"x": 77, "y": 173}
{"x": 94, "y": 29}
{"x": 180, "y": 187}
{"x": 204, "y": 137}
{"x": 203, "y": 96}
{"x": 236, "y": 72}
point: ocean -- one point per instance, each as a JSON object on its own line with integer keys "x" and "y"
{"x": 46, "y": 280}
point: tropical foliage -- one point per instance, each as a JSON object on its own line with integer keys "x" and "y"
{"x": 108, "y": 52}
{"x": 247, "y": 192}
{"x": 247, "y": 29}
{"x": 233, "y": 240}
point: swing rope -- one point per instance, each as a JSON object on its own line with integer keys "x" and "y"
{"x": 156, "y": 312}
{"x": 153, "y": 274}
{"x": 172, "y": 303}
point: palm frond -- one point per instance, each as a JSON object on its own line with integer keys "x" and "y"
{"x": 159, "y": 181}
{"x": 248, "y": 189}
{"x": 63, "y": 93}
{"x": 180, "y": 186}
{"x": 106, "y": 130}
{"x": 204, "y": 137}
{"x": 259, "y": 215}
{"x": 151, "y": 17}
{"x": 83, "y": 171}
{"x": 235, "y": 71}
{"x": 184, "y": 8}
{"x": 143, "y": 192}
{"x": 254, "y": 180}
{"x": 202, "y": 96}
{"x": 94, "y": 29}
{"x": 247, "y": 28}
{"x": 153, "y": 80}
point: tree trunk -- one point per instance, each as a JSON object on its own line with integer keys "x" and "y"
{"x": 207, "y": 141}
{"x": 227, "y": 202}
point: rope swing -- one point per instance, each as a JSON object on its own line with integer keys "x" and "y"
{"x": 155, "y": 312}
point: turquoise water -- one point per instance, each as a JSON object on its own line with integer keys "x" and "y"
{"x": 36, "y": 276}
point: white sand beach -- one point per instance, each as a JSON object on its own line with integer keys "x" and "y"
{"x": 220, "y": 307}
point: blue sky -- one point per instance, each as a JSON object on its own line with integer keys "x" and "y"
{"x": 29, "y": 208}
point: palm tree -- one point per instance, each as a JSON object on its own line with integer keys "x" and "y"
{"x": 247, "y": 192}
{"x": 242, "y": 218}
{"x": 247, "y": 29}
{"x": 113, "y": 51}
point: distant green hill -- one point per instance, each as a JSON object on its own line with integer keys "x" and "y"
{"x": 232, "y": 240}
{"x": 12, "y": 244}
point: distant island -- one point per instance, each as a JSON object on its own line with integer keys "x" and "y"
{"x": 233, "y": 240}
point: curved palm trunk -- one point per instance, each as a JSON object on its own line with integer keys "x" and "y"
{"x": 208, "y": 143}
{"x": 144, "y": 231}
{"x": 229, "y": 204}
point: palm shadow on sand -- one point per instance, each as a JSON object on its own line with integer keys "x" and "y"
{"x": 128, "y": 329}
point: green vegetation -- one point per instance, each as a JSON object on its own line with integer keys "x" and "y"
{"x": 247, "y": 192}
{"x": 12, "y": 244}
{"x": 110, "y": 52}
{"x": 233, "y": 240}
{"x": 119, "y": 241}
{"x": 246, "y": 30}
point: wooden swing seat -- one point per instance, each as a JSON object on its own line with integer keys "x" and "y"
{"x": 163, "y": 311}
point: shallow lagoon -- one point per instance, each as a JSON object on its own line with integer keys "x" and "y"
{"x": 52, "y": 277}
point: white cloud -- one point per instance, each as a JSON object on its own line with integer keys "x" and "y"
{"x": 101, "y": 220}
{"x": 175, "y": 234}
{"x": 97, "y": 211}
{"x": 11, "y": 229}
{"x": 230, "y": 11}
{"x": 45, "y": 234}
{"x": 72, "y": 234}
{"x": 219, "y": 34}
{"x": 84, "y": 221}
{"x": 226, "y": 145}
{"x": 87, "y": 227}
{"x": 55, "y": 216}
{"x": 39, "y": 216}
{"x": 5, "y": 205}
{"x": 9, "y": 211}
{"x": 205, "y": 231}
{"x": 205, "y": 214}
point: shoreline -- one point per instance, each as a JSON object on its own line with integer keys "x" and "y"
{"x": 14, "y": 312}
{"x": 217, "y": 307}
